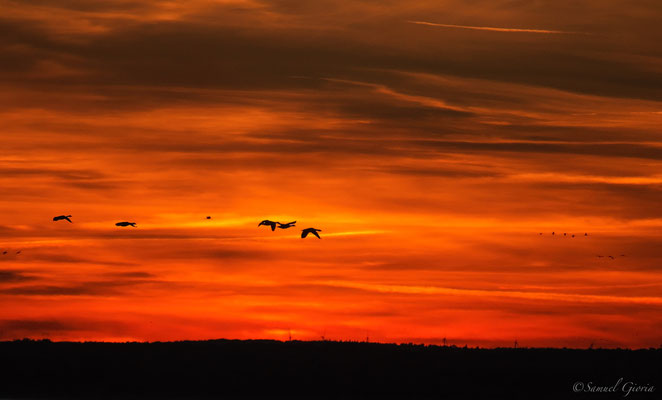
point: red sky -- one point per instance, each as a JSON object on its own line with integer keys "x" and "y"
{"x": 431, "y": 141}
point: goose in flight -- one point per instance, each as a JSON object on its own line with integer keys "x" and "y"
{"x": 314, "y": 231}
{"x": 208, "y": 216}
{"x": 272, "y": 224}
{"x": 287, "y": 225}
{"x": 61, "y": 217}
{"x": 133, "y": 224}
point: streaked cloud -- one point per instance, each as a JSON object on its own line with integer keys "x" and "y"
{"x": 432, "y": 159}
{"x": 494, "y": 29}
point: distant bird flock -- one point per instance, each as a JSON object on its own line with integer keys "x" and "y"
{"x": 272, "y": 224}
{"x": 565, "y": 234}
{"x": 275, "y": 224}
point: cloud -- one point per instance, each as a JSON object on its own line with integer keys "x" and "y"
{"x": 493, "y": 29}
{"x": 111, "y": 287}
{"x": 456, "y": 145}
{"x": 11, "y": 276}
{"x": 54, "y": 327}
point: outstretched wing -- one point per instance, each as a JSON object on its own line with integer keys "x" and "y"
{"x": 67, "y": 218}
{"x": 273, "y": 226}
{"x": 316, "y": 234}
{"x": 304, "y": 234}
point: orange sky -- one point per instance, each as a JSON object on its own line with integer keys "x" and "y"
{"x": 431, "y": 141}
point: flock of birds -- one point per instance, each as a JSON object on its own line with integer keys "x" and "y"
{"x": 68, "y": 218}
{"x": 565, "y": 234}
{"x": 266, "y": 222}
{"x": 275, "y": 224}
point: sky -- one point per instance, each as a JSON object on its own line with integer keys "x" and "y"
{"x": 432, "y": 142}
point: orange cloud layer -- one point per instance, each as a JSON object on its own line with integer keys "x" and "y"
{"x": 432, "y": 160}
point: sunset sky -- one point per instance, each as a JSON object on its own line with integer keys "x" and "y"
{"x": 431, "y": 141}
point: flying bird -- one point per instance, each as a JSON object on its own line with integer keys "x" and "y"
{"x": 287, "y": 225}
{"x": 4, "y": 252}
{"x": 208, "y": 217}
{"x": 314, "y": 231}
{"x": 18, "y": 252}
{"x": 272, "y": 224}
{"x": 599, "y": 256}
{"x": 61, "y": 217}
{"x": 586, "y": 234}
{"x": 133, "y": 224}
{"x": 573, "y": 235}
{"x": 553, "y": 233}
{"x": 612, "y": 257}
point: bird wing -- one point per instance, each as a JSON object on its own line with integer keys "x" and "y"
{"x": 304, "y": 234}
{"x": 273, "y": 226}
{"x": 67, "y": 218}
{"x": 315, "y": 233}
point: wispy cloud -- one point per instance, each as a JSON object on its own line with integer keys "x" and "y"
{"x": 496, "y": 29}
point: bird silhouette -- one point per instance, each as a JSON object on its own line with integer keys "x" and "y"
{"x": 564, "y": 234}
{"x": 573, "y": 235}
{"x": 314, "y": 231}
{"x": 61, "y": 217}
{"x": 133, "y": 224}
{"x": 4, "y": 252}
{"x": 540, "y": 233}
{"x": 612, "y": 257}
{"x": 272, "y": 224}
{"x": 553, "y": 233}
{"x": 208, "y": 217}
{"x": 586, "y": 234}
{"x": 599, "y": 256}
{"x": 287, "y": 225}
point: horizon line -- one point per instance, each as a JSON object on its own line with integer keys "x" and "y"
{"x": 457, "y": 346}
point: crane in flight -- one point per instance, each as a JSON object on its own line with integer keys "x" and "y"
{"x": 314, "y": 231}
{"x": 62, "y": 217}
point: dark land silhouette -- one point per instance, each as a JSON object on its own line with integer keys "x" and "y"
{"x": 319, "y": 369}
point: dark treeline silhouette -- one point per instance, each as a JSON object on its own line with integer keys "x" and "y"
{"x": 322, "y": 369}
